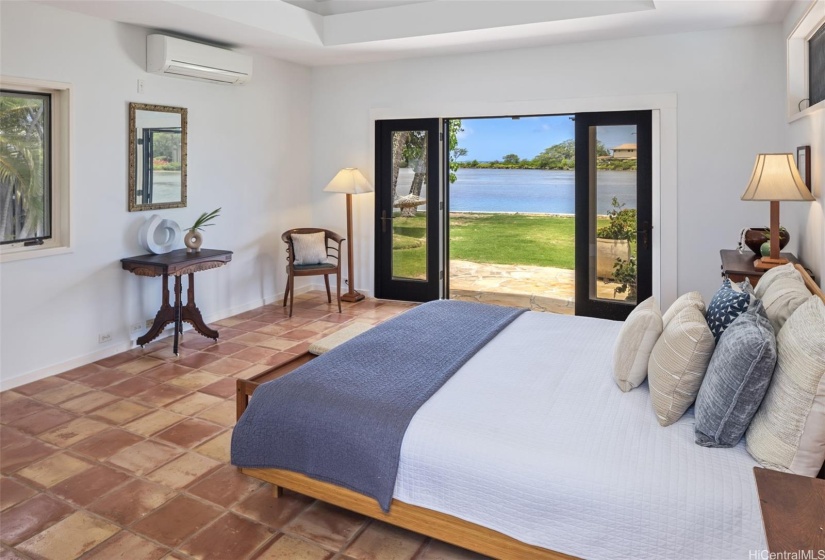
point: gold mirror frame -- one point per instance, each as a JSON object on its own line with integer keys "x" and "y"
{"x": 182, "y": 111}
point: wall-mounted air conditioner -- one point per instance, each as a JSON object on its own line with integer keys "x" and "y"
{"x": 185, "y": 59}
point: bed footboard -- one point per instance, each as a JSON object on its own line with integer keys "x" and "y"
{"x": 414, "y": 518}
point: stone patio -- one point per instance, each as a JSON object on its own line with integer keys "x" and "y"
{"x": 535, "y": 287}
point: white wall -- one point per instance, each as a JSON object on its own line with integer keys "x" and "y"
{"x": 808, "y": 131}
{"x": 249, "y": 153}
{"x": 730, "y": 93}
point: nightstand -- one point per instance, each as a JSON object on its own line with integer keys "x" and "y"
{"x": 793, "y": 513}
{"x": 738, "y": 266}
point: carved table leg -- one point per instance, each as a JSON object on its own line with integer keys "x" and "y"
{"x": 165, "y": 315}
{"x": 192, "y": 314}
{"x": 178, "y": 314}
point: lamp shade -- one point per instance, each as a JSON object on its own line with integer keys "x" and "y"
{"x": 775, "y": 177}
{"x": 350, "y": 181}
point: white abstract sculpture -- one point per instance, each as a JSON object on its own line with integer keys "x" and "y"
{"x": 159, "y": 236}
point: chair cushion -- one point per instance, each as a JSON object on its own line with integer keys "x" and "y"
{"x": 322, "y": 266}
{"x": 788, "y": 431}
{"x": 634, "y": 344}
{"x": 310, "y": 248}
{"x": 737, "y": 379}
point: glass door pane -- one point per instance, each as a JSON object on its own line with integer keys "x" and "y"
{"x": 409, "y": 207}
{"x": 613, "y": 222}
{"x": 613, "y": 212}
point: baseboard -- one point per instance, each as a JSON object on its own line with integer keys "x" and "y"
{"x": 118, "y": 346}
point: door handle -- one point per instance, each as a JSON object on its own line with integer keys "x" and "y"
{"x": 645, "y": 231}
{"x": 384, "y": 220}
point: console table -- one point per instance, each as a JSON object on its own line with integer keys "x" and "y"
{"x": 738, "y": 266}
{"x": 177, "y": 263}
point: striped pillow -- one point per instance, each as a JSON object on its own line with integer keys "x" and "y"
{"x": 788, "y": 431}
{"x": 678, "y": 364}
{"x": 690, "y": 299}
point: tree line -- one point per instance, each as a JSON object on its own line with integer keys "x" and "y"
{"x": 559, "y": 156}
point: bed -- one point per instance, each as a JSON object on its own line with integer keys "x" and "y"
{"x": 530, "y": 451}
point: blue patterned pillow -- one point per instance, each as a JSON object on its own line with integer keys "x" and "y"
{"x": 728, "y": 304}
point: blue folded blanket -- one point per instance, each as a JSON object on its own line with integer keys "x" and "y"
{"x": 341, "y": 418}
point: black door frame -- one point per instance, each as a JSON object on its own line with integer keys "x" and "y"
{"x": 585, "y": 305}
{"x": 386, "y": 286}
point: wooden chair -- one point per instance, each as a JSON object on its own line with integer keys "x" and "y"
{"x": 333, "y": 242}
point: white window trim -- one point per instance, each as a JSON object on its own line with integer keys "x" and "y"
{"x": 60, "y": 242}
{"x": 797, "y": 65}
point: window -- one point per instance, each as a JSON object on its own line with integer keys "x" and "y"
{"x": 34, "y": 165}
{"x": 816, "y": 66}
{"x": 25, "y": 181}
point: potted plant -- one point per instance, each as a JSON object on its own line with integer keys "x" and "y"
{"x": 193, "y": 239}
{"x": 613, "y": 241}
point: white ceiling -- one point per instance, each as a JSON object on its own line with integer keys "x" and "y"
{"x": 324, "y": 32}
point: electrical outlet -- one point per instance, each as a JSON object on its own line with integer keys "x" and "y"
{"x": 104, "y": 337}
{"x": 137, "y": 327}
{"x": 346, "y": 281}
{"x": 140, "y": 86}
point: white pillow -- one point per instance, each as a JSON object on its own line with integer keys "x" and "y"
{"x": 310, "y": 248}
{"x": 678, "y": 364}
{"x": 788, "y": 431}
{"x": 774, "y": 274}
{"x": 639, "y": 334}
{"x": 690, "y": 299}
{"x": 783, "y": 296}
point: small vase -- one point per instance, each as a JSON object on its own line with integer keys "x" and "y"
{"x": 193, "y": 241}
{"x": 765, "y": 249}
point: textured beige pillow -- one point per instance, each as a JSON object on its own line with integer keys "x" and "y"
{"x": 774, "y": 274}
{"x": 690, "y": 299}
{"x": 639, "y": 334}
{"x": 788, "y": 431}
{"x": 310, "y": 248}
{"x": 782, "y": 298}
{"x": 678, "y": 364}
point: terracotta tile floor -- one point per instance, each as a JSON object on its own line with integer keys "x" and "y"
{"x": 128, "y": 457}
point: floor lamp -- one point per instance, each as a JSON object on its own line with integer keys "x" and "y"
{"x": 775, "y": 177}
{"x": 349, "y": 181}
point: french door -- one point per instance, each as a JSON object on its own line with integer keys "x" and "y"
{"x": 613, "y": 212}
{"x": 407, "y": 219}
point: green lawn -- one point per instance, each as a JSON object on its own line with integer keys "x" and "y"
{"x": 489, "y": 238}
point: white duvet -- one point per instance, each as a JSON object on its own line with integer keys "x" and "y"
{"x": 532, "y": 438}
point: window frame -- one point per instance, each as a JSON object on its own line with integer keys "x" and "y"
{"x": 60, "y": 170}
{"x": 798, "y": 64}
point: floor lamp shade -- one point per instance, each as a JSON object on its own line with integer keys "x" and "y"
{"x": 775, "y": 178}
{"x": 349, "y": 181}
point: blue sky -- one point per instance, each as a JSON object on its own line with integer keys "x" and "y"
{"x": 491, "y": 139}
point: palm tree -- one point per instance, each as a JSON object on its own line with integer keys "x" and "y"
{"x": 22, "y": 134}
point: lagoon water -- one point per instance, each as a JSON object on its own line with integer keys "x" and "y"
{"x": 535, "y": 190}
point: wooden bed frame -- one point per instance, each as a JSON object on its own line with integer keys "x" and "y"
{"x": 414, "y": 518}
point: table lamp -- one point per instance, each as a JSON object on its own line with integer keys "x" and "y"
{"x": 775, "y": 178}
{"x": 349, "y": 181}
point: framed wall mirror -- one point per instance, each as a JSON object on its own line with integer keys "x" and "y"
{"x": 157, "y": 157}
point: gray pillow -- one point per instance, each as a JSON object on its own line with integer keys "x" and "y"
{"x": 737, "y": 379}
